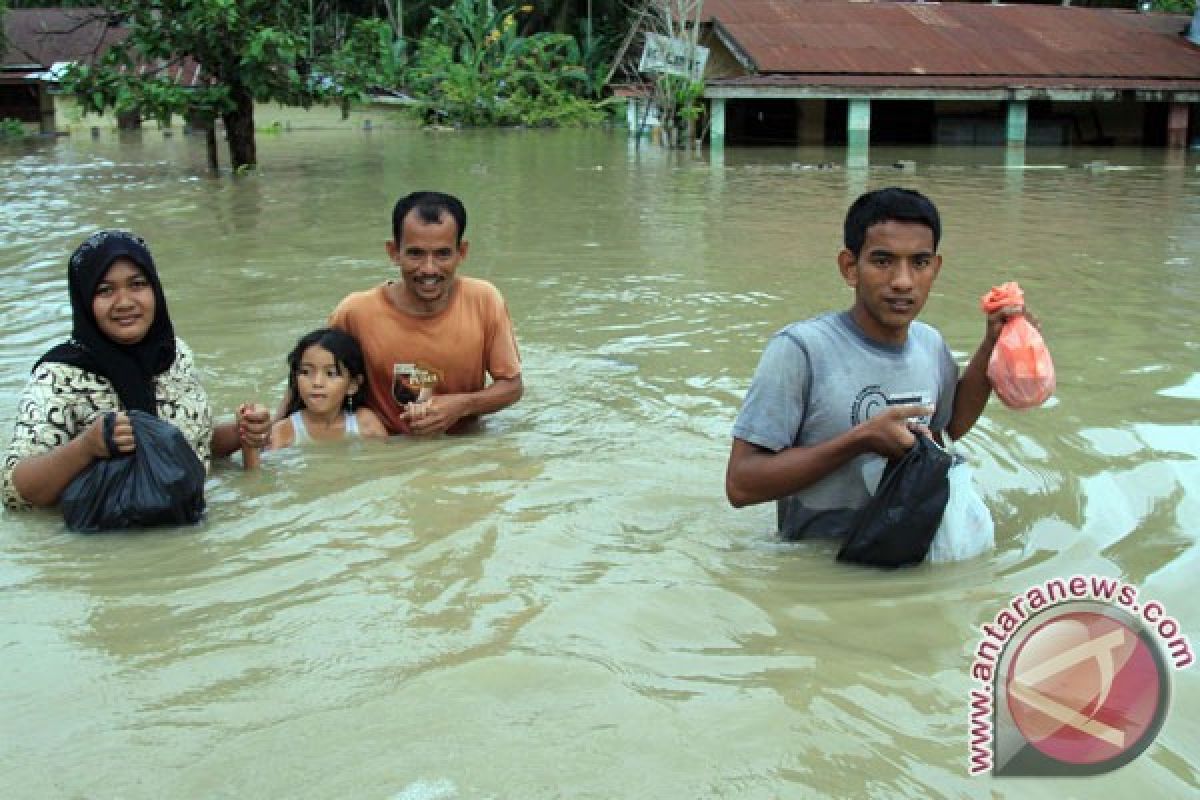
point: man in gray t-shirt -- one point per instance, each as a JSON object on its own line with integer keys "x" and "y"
{"x": 837, "y": 395}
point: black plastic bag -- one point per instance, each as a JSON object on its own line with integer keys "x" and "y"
{"x": 897, "y": 525}
{"x": 160, "y": 483}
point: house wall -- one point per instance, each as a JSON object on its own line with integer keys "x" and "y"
{"x": 1103, "y": 123}
{"x": 957, "y": 122}
{"x": 810, "y": 127}
{"x": 268, "y": 117}
{"x": 1064, "y": 123}
{"x": 1050, "y": 123}
{"x": 762, "y": 122}
{"x": 721, "y": 63}
{"x": 953, "y": 122}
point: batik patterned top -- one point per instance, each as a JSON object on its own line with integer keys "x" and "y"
{"x": 61, "y": 401}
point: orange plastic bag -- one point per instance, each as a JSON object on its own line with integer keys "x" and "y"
{"x": 1020, "y": 370}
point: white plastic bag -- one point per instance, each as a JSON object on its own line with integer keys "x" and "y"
{"x": 966, "y": 529}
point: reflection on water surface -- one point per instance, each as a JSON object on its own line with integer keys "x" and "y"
{"x": 563, "y": 605}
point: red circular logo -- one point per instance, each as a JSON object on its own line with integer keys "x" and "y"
{"x": 1084, "y": 688}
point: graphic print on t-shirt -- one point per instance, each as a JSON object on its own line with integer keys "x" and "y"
{"x": 872, "y": 399}
{"x": 413, "y": 383}
{"x": 869, "y": 402}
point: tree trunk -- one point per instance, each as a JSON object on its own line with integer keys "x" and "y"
{"x": 239, "y": 129}
{"x": 210, "y": 141}
{"x": 562, "y": 20}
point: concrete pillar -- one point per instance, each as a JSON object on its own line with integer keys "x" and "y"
{"x": 858, "y": 132}
{"x": 1014, "y": 158}
{"x": 858, "y": 123}
{"x": 1014, "y": 178}
{"x": 1018, "y": 123}
{"x": 716, "y": 128}
{"x": 1177, "y": 126}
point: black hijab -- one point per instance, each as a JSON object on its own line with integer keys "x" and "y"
{"x": 130, "y": 368}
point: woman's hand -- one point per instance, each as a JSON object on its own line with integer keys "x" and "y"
{"x": 41, "y": 479}
{"x": 250, "y": 428}
{"x": 122, "y": 436}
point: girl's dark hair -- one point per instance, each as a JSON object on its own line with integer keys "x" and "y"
{"x": 346, "y": 353}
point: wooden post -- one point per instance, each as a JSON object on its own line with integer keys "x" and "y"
{"x": 1177, "y": 126}
{"x": 46, "y": 121}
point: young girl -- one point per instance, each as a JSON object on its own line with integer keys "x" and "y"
{"x": 326, "y": 383}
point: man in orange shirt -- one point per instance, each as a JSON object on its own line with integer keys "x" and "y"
{"x": 433, "y": 338}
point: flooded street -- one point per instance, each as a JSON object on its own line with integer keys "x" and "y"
{"x": 564, "y": 605}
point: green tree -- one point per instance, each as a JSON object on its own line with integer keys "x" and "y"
{"x": 246, "y": 51}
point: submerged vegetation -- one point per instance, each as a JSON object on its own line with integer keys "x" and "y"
{"x": 11, "y": 129}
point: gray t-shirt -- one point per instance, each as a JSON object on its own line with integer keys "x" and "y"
{"x": 820, "y": 377}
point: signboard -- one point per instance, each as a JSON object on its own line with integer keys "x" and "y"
{"x": 670, "y": 56}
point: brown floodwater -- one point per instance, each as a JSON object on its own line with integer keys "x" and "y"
{"x": 564, "y": 605}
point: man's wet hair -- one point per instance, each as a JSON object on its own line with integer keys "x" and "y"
{"x": 890, "y": 204}
{"x": 430, "y": 208}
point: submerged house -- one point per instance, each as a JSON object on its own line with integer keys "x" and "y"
{"x": 858, "y": 73}
{"x": 42, "y": 42}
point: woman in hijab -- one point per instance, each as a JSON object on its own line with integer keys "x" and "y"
{"x": 122, "y": 355}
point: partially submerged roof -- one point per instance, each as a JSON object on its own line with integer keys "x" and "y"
{"x": 879, "y": 44}
{"x": 41, "y": 41}
{"x": 41, "y": 37}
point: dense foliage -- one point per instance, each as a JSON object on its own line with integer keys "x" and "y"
{"x": 472, "y": 67}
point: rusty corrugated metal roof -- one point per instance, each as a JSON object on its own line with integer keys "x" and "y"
{"x": 951, "y": 82}
{"x": 1053, "y": 45}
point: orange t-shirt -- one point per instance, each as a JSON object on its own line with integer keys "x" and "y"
{"x": 468, "y": 340}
